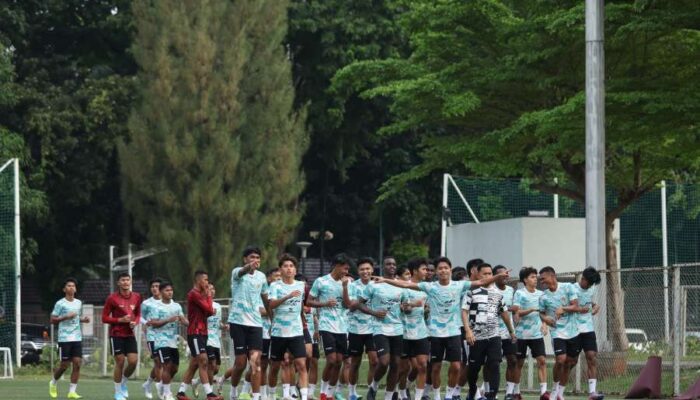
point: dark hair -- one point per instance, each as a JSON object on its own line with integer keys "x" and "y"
{"x": 415, "y": 263}
{"x": 287, "y": 257}
{"x": 591, "y": 275}
{"x": 484, "y": 265}
{"x": 252, "y": 250}
{"x": 388, "y": 257}
{"x": 271, "y": 271}
{"x": 341, "y": 259}
{"x": 473, "y": 263}
{"x": 155, "y": 280}
{"x": 457, "y": 271}
{"x": 443, "y": 259}
{"x": 300, "y": 277}
{"x": 199, "y": 273}
{"x": 165, "y": 285}
{"x": 123, "y": 275}
{"x": 498, "y": 268}
{"x": 547, "y": 269}
{"x": 69, "y": 280}
{"x": 401, "y": 269}
{"x": 366, "y": 260}
{"x": 525, "y": 272}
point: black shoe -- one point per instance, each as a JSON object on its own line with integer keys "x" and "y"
{"x": 425, "y": 397}
{"x": 456, "y": 397}
{"x": 508, "y": 397}
{"x": 371, "y": 394}
{"x": 408, "y": 393}
{"x": 395, "y": 396}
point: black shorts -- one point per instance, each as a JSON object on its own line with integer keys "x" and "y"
{"x": 508, "y": 348}
{"x": 197, "y": 344}
{"x": 280, "y": 345}
{"x": 465, "y": 346}
{"x": 415, "y": 348}
{"x": 265, "y": 349}
{"x": 358, "y": 344}
{"x": 483, "y": 350}
{"x": 70, "y": 350}
{"x": 536, "y": 348}
{"x": 315, "y": 351}
{"x": 307, "y": 337}
{"x": 152, "y": 349}
{"x": 214, "y": 353}
{"x": 569, "y": 347}
{"x": 587, "y": 342}
{"x": 334, "y": 342}
{"x": 392, "y": 345}
{"x": 245, "y": 338}
{"x": 168, "y": 355}
{"x": 446, "y": 348}
{"x": 123, "y": 345}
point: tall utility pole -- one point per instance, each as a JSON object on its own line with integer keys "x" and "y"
{"x": 595, "y": 135}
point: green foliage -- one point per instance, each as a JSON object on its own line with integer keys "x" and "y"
{"x": 405, "y": 250}
{"x": 212, "y": 161}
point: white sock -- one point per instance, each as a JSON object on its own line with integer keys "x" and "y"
{"x": 183, "y": 388}
{"x": 312, "y": 388}
{"x": 331, "y": 390}
{"x": 388, "y": 395}
{"x": 510, "y": 386}
{"x": 166, "y": 389}
{"x": 419, "y": 393}
{"x": 561, "y": 391}
{"x": 402, "y": 394}
{"x": 324, "y": 386}
{"x": 207, "y": 388}
{"x": 352, "y": 390}
{"x": 436, "y": 393}
{"x": 456, "y": 391}
{"x": 53, "y": 381}
{"x": 246, "y": 387}
{"x": 487, "y": 386}
{"x": 591, "y": 385}
{"x": 285, "y": 390}
{"x": 72, "y": 388}
{"x": 125, "y": 379}
{"x": 448, "y": 392}
{"x": 374, "y": 385}
{"x": 149, "y": 380}
{"x": 234, "y": 393}
{"x": 256, "y": 396}
{"x": 304, "y": 393}
{"x": 543, "y": 387}
{"x": 478, "y": 395}
{"x": 118, "y": 387}
{"x": 516, "y": 388}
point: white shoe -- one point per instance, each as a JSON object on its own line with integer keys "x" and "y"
{"x": 159, "y": 391}
{"x": 169, "y": 396}
{"x": 147, "y": 390}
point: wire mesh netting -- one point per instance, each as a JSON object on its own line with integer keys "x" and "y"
{"x": 8, "y": 258}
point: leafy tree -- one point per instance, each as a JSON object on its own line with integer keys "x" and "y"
{"x": 212, "y": 161}
{"x": 500, "y": 86}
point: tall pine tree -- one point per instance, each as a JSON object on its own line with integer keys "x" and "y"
{"x": 215, "y": 144}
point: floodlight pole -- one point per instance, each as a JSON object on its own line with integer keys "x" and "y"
{"x": 595, "y": 135}
{"x": 18, "y": 273}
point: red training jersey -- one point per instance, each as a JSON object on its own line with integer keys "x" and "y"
{"x": 199, "y": 308}
{"x": 117, "y": 306}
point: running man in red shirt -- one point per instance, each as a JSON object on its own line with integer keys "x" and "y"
{"x": 199, "y": 307}
{"x": 122, "y": 311}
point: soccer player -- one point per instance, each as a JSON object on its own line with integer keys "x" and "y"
{"x": 287, "y": 334}
{"x": 214, "y": 326}
{"x": 416, "y": 344}
{"x": 530, "y": 331}
{"x": 122, "y": 311}
{"x": 508, "y": 346}
{"x": 249, "y": 292}
{"x": 67, "y": 314}
{"x": 558, "y": 308}
{"x": 586, "y": 333}
{"x": 164, "y": 321}
{"x": 327, "y": 296}
{"x": 312, "y": 353}
{"x": 472, "y": 274}
{"x": 480, "y": 314}
{"x": 147, "y": 307}
{"x": 383, "y": 302}
{"x": 359, "y": 326}
{"x": 199, "y": 308}
{"x": 444, "y": 298}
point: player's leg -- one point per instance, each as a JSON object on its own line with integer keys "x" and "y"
{"x": 395, "y": 350}
{"x": 297, "y": 350}
{"x": 419, "y": 363}
{"x": 437, "y": 354}
{"x": 240, "y": 351}
{"x": 477, "y": 357}
{"x": 508, "y": 349}
{"x": 382, "y": 344}
{"x": 453, "y": 354}
{"x": 64, "y": 361}
{"x": 132, "y": 357}
{"x": 493, "y": 361}
{"x": 313, "y": 370}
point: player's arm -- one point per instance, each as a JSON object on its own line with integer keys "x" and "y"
{"x": 468, "y": 334}
{"x": 274, "y": 303}
{"x": 314, "y": 302}
{"x": 204, "y": 302}
{"x": 499, "y": 277}
{"x": 505, "y": 316}
{"x": 246, "y": 269}
{"x": 362, "y": 306}
{"x": 183, "y": 320}
{"x": 157, "y": 323}
{"x": 595, "y": 308}
{"x": 398, "y": 283}
{"x": 347, "y": 301}
{"x": 107, "y": 317}
{"x": 266, "y": 303}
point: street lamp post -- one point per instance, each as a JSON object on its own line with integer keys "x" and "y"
{"x": 327, "y": 235}
{"x": 303, "y": 246}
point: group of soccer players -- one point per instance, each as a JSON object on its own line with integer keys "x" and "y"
{"x": 407, "y": 322}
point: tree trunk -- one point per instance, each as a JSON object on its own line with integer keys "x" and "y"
{"x": 615, "y": 298}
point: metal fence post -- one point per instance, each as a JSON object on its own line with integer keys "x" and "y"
{"x": 677, "y": 334}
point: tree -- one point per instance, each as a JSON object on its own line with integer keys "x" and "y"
{"x": 215, "y": 143}
{"x": 501, "y": 86}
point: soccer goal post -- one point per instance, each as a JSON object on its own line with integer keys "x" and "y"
{"x": 10, "y": 259}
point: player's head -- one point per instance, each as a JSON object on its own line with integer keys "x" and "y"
{"x": 212, "y": 290}
{"x": 418, "y": 268}
{"x": 548, "y": 277}
{"x": 430, "y": 273}
{"x": 70, "y": 286}
{"x": 485, "y": 271}
{"x": 341, "y": 264}
{"x": 528, "y": 276}
{"x": 403, "y": 273}
{"x": 166, "y": 291}
{"x": 473, "y": 268}
{"x": 124, "y": 281}
{"x": 288, "y": 266}
{"x": 201, "y": 280}
{"x": 365, "y": 268}
{"x": 273, "y": 274}
{"x": 589, "y": 277}
{"x": 154, "y": 286}
{"x": 458, "y": 273}
{"x": 252, "y": 255}
{"x": 389, "y": 266}
{"x": 443, "y": 269}
{"x": 497, "y": 270}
